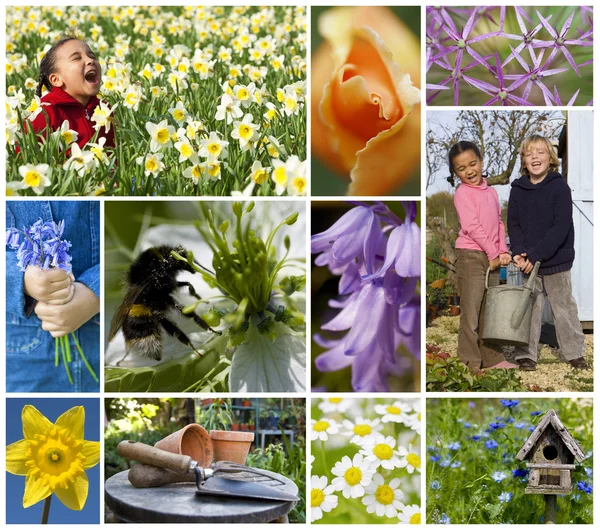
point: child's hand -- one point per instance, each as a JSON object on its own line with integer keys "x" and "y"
{"x": 494, "y": 263}
{"x": 52, "y": 286}
{"x": 505, "y": 258}
{"x": 61, "y": 320}
{"x": 526, "y": 266}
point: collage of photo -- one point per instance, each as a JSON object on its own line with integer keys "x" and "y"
{"x": 292, "y": 264}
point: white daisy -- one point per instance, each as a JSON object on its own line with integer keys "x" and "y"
{"x": 352, "y": 476}
{"x": 395, "y": 413}
{"x": 361, "y": 430}
{"x": 383, "y": 499}
{"x": 409, "y": 459}
{"x": 380, "y": 451}
{"x": 410, "y": 514}
{"x": 335, "y": 404}
{"x": 321, "y": 498}
{"x": 321, "y": 429}
{"x": 414, "y": 422}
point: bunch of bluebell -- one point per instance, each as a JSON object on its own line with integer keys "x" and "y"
{"x": 42, "y": 246}
{"x": 378, "y": 258}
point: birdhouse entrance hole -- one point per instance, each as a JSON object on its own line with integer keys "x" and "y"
{"x": 550, "y": 452}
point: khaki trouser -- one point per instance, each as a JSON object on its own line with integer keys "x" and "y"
{"x": 471, "y": 267}
{"x": 564, "y": 310}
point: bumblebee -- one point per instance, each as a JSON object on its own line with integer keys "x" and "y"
{"x": 151, "y": 282}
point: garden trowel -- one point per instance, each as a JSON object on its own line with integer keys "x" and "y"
{"x": 227, "y": 479}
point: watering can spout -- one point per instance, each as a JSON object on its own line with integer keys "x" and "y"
{"x": 519, "y": 312}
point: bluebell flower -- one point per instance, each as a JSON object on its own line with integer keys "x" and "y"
{"x": 584, "y": 486}
{"x": 380, "y": 315}
{"x": 491, "y": 444}
{"x": 498, "y": 476}
{"x": 517, "y": 473}
{"x": 510, "y": 403}
{"x": 505, "y": 497}
{"x": 454, "y": 446}
{"x": 444, "y": 519}
{"x": 435, "y": 485}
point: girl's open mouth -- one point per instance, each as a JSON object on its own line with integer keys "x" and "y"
{"x": 92, "y": 77}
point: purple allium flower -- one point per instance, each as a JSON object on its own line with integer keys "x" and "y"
{"x": 377, "y": 256}
{"x": 526, "y": 37}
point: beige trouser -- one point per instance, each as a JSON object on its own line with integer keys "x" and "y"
{"x": 471, "y": 267}
{"x": 564, "y": 310}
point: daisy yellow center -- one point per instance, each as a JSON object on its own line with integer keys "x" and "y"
{"x": 280, "y": 176}
{"x": 55, "y": 458}
{"x": 260, "y": 176}
{"x": 321, "y": 426}
{"x": 33, "y": 179}
{"x": 178, "y": 115}
{"x": 151, "y": 164}
{"x": 316, "y": 497}
{"x": 383, "y": 451}
{"x": 413, "y": 459}
{"x": 186, "y": 150}
{"x": 335, "y": 400}
{"x": 245, "y": 132}
{"x": 384, "y": 494}
{"x": 415, "y": 518}
{"x": 162, "y": 136}
{"x": 419, "y": 416}
{"x": 393, "y": 410}
{"x": 214, "y": 148}
{"x": 353, "y": 476}
{"x": 362, "y": 429}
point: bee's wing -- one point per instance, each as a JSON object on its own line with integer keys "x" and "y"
{"x": 123, "y": 310}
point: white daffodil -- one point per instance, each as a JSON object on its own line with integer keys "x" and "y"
{"x": 212, "y": 169}
{"x": 396, "y": 413}
{"x": 102, "y": 116}
{"x": 321, "y": 429}
{"x": 383, "y": 499}
{"x": 194, "y": 172}
{"x": 152, "y": 163}
{"x": 34, "y": 177}
{"x": 352, "y": 476}
{"x": 246, "y": 132}
{"x": 179, "y": 112}
{"x": 335, "y": 404}
{"x": 361, "y": 430}
{"x": 279, "y": 176}
{"x": 410, "y": 514}
{"x": 379, "y": 450}
{"x": 321, "y": 498}
{"x": 258, "y": 173}
{"x": 244, "y": 94}
{"x": 409, "y": 459}
{"x": 160, "y": 135}
{"x": 68, "y": 135}
{"x": 213, "y": 147}
{"x": 186, "y": 151}
{"x": 272, "y": 112}
{"x": 132, "y": 97}
{"x": 228, "y": 110}
{"x": 98, "y": 149}
{"x": 80, "y": 161}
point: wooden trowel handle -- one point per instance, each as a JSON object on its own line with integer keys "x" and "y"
{"x": 144, "y": 476}
{"x": 147, "y": 454}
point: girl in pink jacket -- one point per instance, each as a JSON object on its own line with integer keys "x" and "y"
{"x": 481, "y": 243}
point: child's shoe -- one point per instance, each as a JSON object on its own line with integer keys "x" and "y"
{"x": 527, "y": 365}
{"x": 579, "y": 363}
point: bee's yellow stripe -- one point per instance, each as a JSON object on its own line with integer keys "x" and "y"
{"x": 138, "y": 310}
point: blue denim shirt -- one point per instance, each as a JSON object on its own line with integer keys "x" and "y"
{"x": 30, "y": 350}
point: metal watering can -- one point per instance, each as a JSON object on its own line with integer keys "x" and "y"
{"x": 507, "y": 312}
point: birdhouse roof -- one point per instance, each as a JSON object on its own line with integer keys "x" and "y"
{"x": 551, "y": 419}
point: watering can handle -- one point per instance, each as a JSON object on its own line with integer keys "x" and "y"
{"x": 519, "y": 312}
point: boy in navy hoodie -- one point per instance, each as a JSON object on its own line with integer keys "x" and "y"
{"x": 540, "y": 226}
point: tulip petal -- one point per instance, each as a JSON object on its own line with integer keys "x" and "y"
{"x": 91, "y": 452}
{"x": 35, "y": 492}
{"x": 73, "y": 420}
{"x": 16, "y": 457}
{"x": 75, "y": 495}
{"x": 34, "y": 422}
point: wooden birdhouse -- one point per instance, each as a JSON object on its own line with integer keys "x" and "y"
{"x": 551, "y": 452}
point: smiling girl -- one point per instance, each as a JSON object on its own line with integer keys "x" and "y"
{"x": 540, "y": 225}
{"x": 481, "y": 243}
{"x": 72, "y": 74}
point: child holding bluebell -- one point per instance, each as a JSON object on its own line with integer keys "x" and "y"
{"x": 46, "y": 301}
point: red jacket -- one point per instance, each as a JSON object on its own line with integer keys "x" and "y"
{"x": 60, "y": 106}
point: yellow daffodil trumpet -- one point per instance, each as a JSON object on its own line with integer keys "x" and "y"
{"x": 53, "y": 457}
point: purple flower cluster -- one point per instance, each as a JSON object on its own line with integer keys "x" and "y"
{"x": 448, "y": 47}
{"x": 40, "y": 245}
{"x": 378, "y": 259}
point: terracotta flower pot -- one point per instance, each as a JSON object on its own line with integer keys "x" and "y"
{"x": 231, "y": 446}
{"x": 192, "y": 440}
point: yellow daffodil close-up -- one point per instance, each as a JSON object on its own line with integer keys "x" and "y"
{"x": 53, "y": 457}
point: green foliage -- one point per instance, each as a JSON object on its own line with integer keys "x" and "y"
{"x": 465, "y": 478}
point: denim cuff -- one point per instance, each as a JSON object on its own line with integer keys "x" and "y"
{"x": 91, "y": 279}
{"x": 16, "y": 301}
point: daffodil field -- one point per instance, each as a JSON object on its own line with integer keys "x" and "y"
{"x": 202, "y": 101}
{"x": 366, "y": 462}
{"x": 473, "y": 475}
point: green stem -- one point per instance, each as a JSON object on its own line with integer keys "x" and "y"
{"x": 67, "y": 347}
{"x": 65, "y": 362}
{"x": 46, "y": 510}
{"x": 56, "y": 352}
{"x": 85, "y": 361}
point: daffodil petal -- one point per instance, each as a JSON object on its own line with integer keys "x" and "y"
{"x": 75, "y": 495}
{"x": 35, "y": 492}
{"x": 73, "y": 420}
{"x": 34, "y": 422}
{"x": 91, "y": 451}
{"x": 16, "y": 458}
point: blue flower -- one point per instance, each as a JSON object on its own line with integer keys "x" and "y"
{"x": 498, "y": 476}
{"x": 444, "y": 519}
{"x": 520, "y": 473}
{"x": 455, "y": 464}
{"x": 497, "y": 425}
{"x": 505, "y": 497}
{"x": 535, "y": 413}
{"x": 476, "y": 437}
{"x": 466, "y": 425}
{"x": 584, "y": 486}
{"x": 520, "y": 425}
{"x": 510, "y": 420}
{"x": 532, "y": 428}
{"x": 434, "y": 458}
{"x": 510, "y": 403}
{"x": 435, "y": 485}
{"x": 446, "y": 462}
{"x": 454, "y": 446}
{"x": 588, "y": 471}
{"x": 491, "y": 444}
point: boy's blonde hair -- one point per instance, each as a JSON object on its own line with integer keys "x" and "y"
{"x": 534, "y": 139}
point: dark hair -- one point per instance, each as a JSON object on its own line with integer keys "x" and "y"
{"x": 48, "y": 65}
{"x": 461, "y": 147}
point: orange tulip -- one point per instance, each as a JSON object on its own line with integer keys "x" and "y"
{"x": 362, "y": 97}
